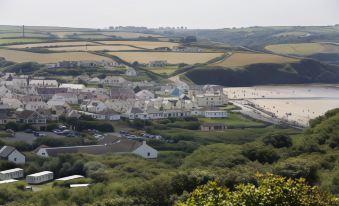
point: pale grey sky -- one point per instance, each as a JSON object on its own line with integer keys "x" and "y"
{"x": 155, "y": 13}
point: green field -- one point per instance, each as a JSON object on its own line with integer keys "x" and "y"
{"x": 234, "y": 120}
{"x": 303, "y": 49}
{"x": 20, "y": 40}
{"x": 163, "y": 70}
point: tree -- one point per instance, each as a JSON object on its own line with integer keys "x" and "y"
{"x": 278, "y": 140}
{"x": 271, "y": 190}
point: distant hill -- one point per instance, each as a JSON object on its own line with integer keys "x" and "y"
{"x": 305, "y": 71}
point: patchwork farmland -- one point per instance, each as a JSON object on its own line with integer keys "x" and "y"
{"x": 240, "y": 59}
{"x": 22, "y": 56}
{"x": 143, "y": 44}
{"x": 53, "y": 44}
{"x": 94, "y": 48}
{"x": 170, "y": 57}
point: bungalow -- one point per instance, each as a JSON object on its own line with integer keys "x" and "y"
{"x": 114, "y": 81}
{"x": 120, "y": 145}
{"x": 43, "y": 83}
{"x": 40, "y": 177}
{"x": 15, "y": 173}
{"x": 72, "y": 87}
{"x": 208, "y": 127}
{"x": 30, "y": 117}
{"x": 131, "y": 72}
{"x": 215, "y": 113}
{"x": 13, "y": 155}
{"x": 108, "y": 114}
{"x": 137, "y": 113}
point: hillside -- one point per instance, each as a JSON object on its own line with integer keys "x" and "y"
{"x": 305, "y": 71}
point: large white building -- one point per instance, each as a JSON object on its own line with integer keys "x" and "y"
{"x": 211, "y": 99}
{"x": 15, "y": 173}
{"x": 40, "y": 177}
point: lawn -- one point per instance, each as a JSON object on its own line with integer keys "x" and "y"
{"x": 234, "y": 120}
{"x": 22, "y": 56}
{"x": 303, "y": 48}
{"x": 170, "y": 57}
{"x": 240, "y": 59}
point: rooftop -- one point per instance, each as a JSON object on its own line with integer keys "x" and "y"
{"x": 11, "y": 170}
{"x": 40, "y": 174}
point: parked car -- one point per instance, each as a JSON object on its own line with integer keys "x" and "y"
{"x": 57, "y": 131}
{"x": 28, "y": 131}
{"x": 38, "y": 134}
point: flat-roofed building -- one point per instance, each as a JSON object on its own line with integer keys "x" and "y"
{"x": 15, "y": 173}
{"x": 40, "y": 177}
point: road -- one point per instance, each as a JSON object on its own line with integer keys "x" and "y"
{"x": 259, "y": 115}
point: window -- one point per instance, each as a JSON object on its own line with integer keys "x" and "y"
{"x": 148, "y": 154}
{"x": 15, "y": 159}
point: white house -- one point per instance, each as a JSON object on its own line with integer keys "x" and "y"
{"x": 94, "y": 80}
{"x": 215, "y": 113}
{"x": 43, "y": 83}
{"x": 211, "y": 99}
{"x": 57, "y": 102}
{"x": 40, "y": 177}
{"x": 72, "y": 87}
{"x": 12, "y": 103}
{"x": 15, "y": 173}
{"x": 131, "y": 72}
{"x": 94, "y": 106}
{"x": 69, "y": 97}
{"x": 144, "y": 95}
{"x": 13, "y": 155}
{"x": 34, "y": 106}
{"x": 4, "y": 92}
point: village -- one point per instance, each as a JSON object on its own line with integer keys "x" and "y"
{"x": 34, "y": 107}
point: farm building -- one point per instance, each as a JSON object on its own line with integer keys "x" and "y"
{"x": 157, "y": 63}
{"x": 11, "y": 174}
{"x": 40, "y": 177}
{"x": 208, "y": 127}
{"x": 13, "y": 155}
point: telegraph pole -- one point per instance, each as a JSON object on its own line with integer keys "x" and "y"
{"x": 23, "y": 31}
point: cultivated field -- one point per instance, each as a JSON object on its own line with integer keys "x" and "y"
{"x": 143, "y": 44}
{"x": 128, "y": 35}
{"x": 21, "y": 56}
{"x": 94, "y": 48}
{"x": 303, "y": 48}
{"x": 54, "y": 44}
{"x": 243, "y": 59}
{"x": 19, "y": 34}
{"x": 20, "y": 40}
{"x": 170, "y": 57}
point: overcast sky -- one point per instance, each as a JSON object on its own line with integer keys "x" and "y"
{"x": 155, "y": 13}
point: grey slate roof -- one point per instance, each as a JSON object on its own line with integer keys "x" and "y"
{"x": 5, "y": 151}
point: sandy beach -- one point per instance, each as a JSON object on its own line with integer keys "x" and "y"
{"x": 298, "y": 103}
